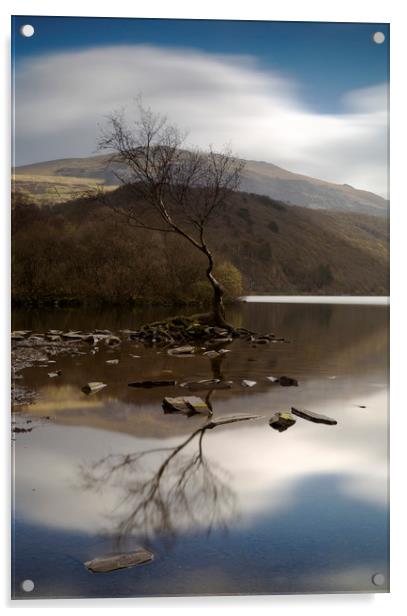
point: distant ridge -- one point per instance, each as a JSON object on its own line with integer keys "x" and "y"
{"x": 261, "y": 178}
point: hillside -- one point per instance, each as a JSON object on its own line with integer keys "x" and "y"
{"x": 73, "y": 175}
{"x": 82, "y": 250}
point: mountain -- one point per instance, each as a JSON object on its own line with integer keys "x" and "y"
{"x": 59, "y": 180}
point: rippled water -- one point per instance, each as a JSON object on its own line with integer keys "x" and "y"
{"x": 240, "y": 508}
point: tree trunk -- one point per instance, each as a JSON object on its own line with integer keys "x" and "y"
{"x": 218, "y": 308}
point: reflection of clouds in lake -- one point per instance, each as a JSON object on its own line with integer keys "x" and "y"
{"x": 265, "y": 467}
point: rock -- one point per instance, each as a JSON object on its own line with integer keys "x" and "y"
{"x": 93, "y": 387}
{"x": 17, "y": 429}
{"x": 282, "y": 421}
{"x": 212, "y": 354}
{"x": 208, "y": 384}
{"x": 272, "y": 379}
{"x": 72, "y": 336}
{"x": 150, "y": 384}
{"x": 90, "y": 339}
{"x": 104, "y": 564}
{"x": 112, "y": 361}
{"x": 182, "y": 351}
{"x": 102, "y": 332}
{"x": 221, "y": 340}
{"x": 247, "y": 383}
{"x": 52, "y": 375}
{"x": 315, "y": 417}
{"x": 228, "y": 419}
{"x": 287, "y": 381}
{"x": 112, "y": 340}
{"x": 187, "y": 405}
{"x": 16, "y": 336}
{"x": 135, "y": 356}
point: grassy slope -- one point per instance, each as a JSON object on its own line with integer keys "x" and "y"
{"x": 280, "y": 249}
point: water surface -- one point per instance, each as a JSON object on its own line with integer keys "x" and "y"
{"x": 240, "y": 508}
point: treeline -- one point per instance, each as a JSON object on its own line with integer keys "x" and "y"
{"x": 83, "y": 254}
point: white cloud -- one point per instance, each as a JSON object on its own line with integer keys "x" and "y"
{"x": 62, "y": 98}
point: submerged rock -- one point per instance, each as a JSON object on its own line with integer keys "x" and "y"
{"x": 104, "y": 564}
{"x": 282, "y": 421}
{"x": 150, "y": 384}
{"x": 207, "y": 384}
{"x": 182, "y": 351}
{"x": 287, "y": 381}
{"x": 93, "y": 387}
{"x": 315, "y": 417}
{"x": 212, "y": 354}
{"x": 52, "y": 375}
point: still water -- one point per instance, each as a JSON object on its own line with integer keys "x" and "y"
{"x": 239, "y": 509}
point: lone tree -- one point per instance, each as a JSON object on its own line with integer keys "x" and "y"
{"x": 173, "y": 189}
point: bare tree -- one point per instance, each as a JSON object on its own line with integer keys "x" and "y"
{"x": 174, "y": 189}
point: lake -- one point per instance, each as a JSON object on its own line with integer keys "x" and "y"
{"x": 237, "y": 509}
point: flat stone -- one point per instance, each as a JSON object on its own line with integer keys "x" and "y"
{"x": 207, "y": 384}
{"x": 72, "y": 336}
{"x": 112, "y": 361}
{"x": 247, "y": 383}
{"x": 212, "y": 354}
{"x": 272, "y": 379}
{"x": 187, "y": 405}
{"x": 104, "y": 564}
{"x": 93, "y": 387}
{"x": 315, "y": 417}
{"x": 150, "y": 384}
{"x": 182, "y": 350}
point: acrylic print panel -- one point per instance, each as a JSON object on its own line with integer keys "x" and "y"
{"x": 200, "y": 331}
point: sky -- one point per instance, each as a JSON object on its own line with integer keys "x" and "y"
{"x": 310, "y": 97}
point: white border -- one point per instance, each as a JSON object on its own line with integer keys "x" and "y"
{"x": 296, "y": 10}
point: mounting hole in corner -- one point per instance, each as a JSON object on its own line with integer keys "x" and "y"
{"x": 27, "y": 30}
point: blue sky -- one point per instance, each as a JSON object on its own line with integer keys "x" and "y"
{"x": 318, "y": 69}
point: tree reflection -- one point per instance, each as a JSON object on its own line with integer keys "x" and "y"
{"x": 166, "y": 489}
